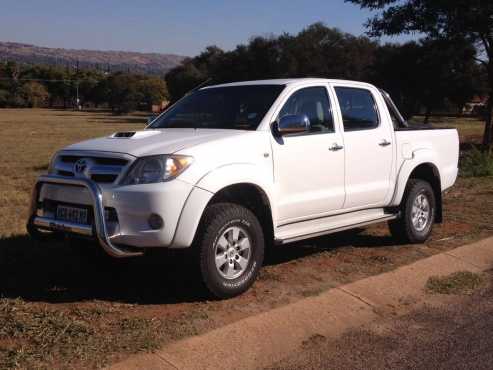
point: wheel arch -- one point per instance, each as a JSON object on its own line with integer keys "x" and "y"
{"x": 251, "y": 196}
{"x": 242, "y": 184}
{"x": 427, "y": 171}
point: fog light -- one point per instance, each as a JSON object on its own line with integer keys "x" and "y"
{"x": 155, "y": 221}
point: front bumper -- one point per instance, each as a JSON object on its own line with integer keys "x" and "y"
{"x": 133, "y": 205}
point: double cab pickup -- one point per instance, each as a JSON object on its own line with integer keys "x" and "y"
{"x": 231, "y": 169}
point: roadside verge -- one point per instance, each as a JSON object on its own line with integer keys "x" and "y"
{"x": 261, "y": 340}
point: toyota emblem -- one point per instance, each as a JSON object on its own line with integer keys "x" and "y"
{"x": 80, "y": 166}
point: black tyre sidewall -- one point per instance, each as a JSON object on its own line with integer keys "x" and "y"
{"x": 419, "y": 187}
{"x": 222, "y": 218}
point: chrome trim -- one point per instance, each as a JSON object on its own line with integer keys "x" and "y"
{"x": 95, "y": 153}
{"x": 293, "y": 124}
{"x": 384, "y": 142}
{"x": 95, "y": 168}
{"x": 51, "y": 224}
{"x": 101, "y": 230}
{"x": 335, "y": 147}
{"x": 61, "y": 166}
{"x": 105, "y": 170}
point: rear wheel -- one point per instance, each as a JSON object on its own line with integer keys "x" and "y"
{"x": 231, "y": 249}
{"x": 418, "y": 211}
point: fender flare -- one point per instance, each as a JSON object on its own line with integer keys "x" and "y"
{"x": 419, "y": 157}
{"x": 205, "y": 189}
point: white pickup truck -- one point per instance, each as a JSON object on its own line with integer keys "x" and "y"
{"x": 230, "y": 169}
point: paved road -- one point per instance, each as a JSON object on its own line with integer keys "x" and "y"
{"x": 453, "y": 332}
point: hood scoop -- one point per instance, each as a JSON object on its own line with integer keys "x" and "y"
{"x": 133, "y": 134}
{"x": 123, "y": 134}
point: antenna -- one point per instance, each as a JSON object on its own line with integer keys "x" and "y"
{"x": 200, "y": 85}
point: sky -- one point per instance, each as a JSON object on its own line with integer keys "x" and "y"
{"x": 166, "y": 26}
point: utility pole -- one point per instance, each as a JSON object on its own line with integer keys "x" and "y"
{"x": 77, "y": 101}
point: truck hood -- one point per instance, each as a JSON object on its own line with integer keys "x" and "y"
{"x": 153, "y": 142}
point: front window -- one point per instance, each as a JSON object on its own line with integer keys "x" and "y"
{"x": 314, "y": 103}
{"x": 232, "y": 107}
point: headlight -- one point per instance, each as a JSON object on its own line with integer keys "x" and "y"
{"x": 156, "y": 168}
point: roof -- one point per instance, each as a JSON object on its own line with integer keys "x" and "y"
{"x": 287, "y": 81}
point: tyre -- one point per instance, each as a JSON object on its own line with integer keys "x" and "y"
{"x": 418, "y": 210}
{"x": 231, "y": 249}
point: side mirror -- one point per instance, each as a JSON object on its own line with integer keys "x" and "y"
{"x": 151, "y": 118}
{"x": 293, "y": 124}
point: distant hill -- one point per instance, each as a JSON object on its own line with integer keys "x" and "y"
{"x": 148, "y": 63}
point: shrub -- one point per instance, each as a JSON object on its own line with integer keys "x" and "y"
{"x": 34, "y": 94}
{"x": 476, "y": 163}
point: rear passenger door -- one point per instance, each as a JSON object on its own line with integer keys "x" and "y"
{"x": 368, "y": 147}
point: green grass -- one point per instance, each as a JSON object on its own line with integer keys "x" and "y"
{"x": 463, "y": 282}
{"x": 476, "y": 163}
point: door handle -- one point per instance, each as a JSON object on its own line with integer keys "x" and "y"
{"x": 384, "y": 142}
{"x": 335, "y": 147}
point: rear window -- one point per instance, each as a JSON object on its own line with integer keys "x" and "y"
{"x": 358, "y": 108}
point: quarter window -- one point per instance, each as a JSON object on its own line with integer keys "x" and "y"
{"x": 314, "y": 103}
{"x": 358, "y": 108}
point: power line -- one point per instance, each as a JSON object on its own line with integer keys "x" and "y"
{"x": 42, "y": 80}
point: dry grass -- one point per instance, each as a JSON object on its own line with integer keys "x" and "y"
{"x": 35, "y": 334}
{"x": 470, "y": 129}
{"x": 44, "y": 337}
{"x": 462, "y": 282}
{"x": 29, "y": 139}
{"x": 60, "y": 309}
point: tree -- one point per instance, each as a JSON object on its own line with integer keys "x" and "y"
{"x": 194, "y": 71}
{"x": 124, "y": 94}
{"x": 153, "y": 90}
{"x": 395, "y": 71}
{"x": 441, "y": 19}
{"x": 59, "y": 88}
{"x": 127, "y": 92}
{"x": 317, "y": 51}
{"x": 88, "y": 81}
{"x": 184, "y": 78}
{"x": 35, "y": 95}
{"x": 4, "y": 98}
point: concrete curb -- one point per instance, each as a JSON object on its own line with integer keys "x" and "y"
{"x": 261, "y": 340}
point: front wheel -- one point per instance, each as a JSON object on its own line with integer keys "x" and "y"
{"x": 418, "y": 211}
{"x": 231, "y": 247}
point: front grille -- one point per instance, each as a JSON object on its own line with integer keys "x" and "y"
{"x": 66, "y": 173}
{"x": 107, "y": 179}
{"x": 101, "y": 169}
{"x": 100, "y": 160}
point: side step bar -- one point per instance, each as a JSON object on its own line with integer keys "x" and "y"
{"x": 337, "y": 229}
{"x": 36, "y": 223}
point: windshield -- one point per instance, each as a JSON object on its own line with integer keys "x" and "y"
{"x": 233, "y": 107}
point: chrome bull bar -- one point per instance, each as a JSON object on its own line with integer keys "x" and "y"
{"x": 99, "y": 231}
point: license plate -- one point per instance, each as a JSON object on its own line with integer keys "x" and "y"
{"x": 71, "y": 214}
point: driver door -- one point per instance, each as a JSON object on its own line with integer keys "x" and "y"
{"x": 309, "y": 166}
